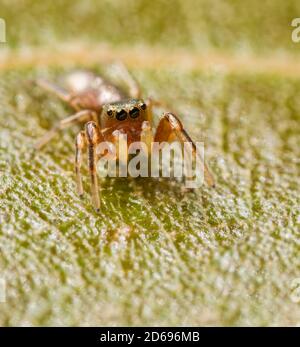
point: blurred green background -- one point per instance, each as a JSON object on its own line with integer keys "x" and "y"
{"x": 155, "y": 255}
{"x": 236, "y": 25}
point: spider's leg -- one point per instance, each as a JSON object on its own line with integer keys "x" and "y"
{"x": 94, "y": 137}
{"x": 170, "y": 128}
{"x": 81, "y": 116}
{"x": 134, "y": 88}
{"x": 80, "y": 144}
{"x": 54, "y": 89}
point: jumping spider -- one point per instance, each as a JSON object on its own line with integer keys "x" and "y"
{"x": 108, "y": 112}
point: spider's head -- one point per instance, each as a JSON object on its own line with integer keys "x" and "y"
{"x": 127, "y": 110}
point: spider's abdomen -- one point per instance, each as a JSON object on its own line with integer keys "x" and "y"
{"x": 108, "y": 94}
{"x": 94, "y": 99}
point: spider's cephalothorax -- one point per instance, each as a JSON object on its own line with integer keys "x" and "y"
{"x": 110, "y": 113}
{"x": 125, "y": 111}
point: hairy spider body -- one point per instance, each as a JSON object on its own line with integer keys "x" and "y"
{"x": 110, "y": 115}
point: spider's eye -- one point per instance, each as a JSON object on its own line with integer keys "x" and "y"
{"x": 109, "y": 113}
{"x": 143, "y": 106}
{"x": 134, "y": 113}
{"x": 121, "y": 115}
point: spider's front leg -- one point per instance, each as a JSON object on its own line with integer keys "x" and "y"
{"x": 80, "y": 147}
{"x": 170, "y": 128}
{"x": 94, "y": 137}
{"x": 88, "y": 140}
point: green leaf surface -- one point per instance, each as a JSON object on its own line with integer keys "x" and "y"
{"x": 156, "y": 254}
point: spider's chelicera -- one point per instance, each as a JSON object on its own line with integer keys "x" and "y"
{"x": 113, "y": 117}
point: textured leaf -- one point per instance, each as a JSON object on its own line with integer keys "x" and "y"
{"x": 156, "y": 254}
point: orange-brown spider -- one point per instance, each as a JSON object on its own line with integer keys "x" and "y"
{"x": 109, "y": 112}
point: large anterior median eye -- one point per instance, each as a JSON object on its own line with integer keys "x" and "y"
{"x": 121, "y": 115}
{"x": 134, "y": 113}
